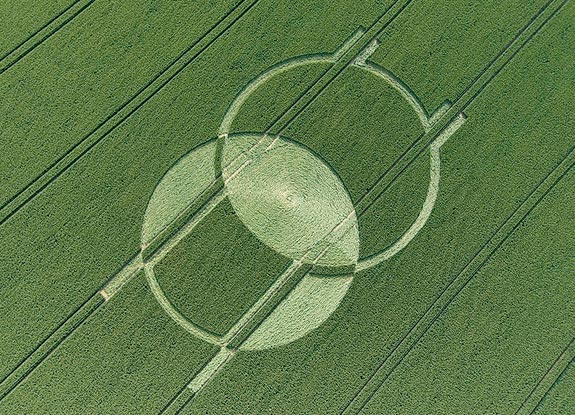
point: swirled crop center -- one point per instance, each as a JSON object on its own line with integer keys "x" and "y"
{"x": 291, "y": 200}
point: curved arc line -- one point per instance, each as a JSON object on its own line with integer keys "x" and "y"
{"x": 428, "y": 204}
{"x": 169, "y": 308}
{"x": 101, "y": 131}
{"x": 277, "y": 69}
{"x": 419, "y": 222}
{"x": 362, "y": 264}
{"x": 404, "y": 91}
{"x": 400, "y": 87}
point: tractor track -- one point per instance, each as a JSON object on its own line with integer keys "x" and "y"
{"x": 385, "y": 369}
{"x": 549, "y": 379}
{"x": 63, "y": 163}
{"x": 492, "y": 69}
{"x": 15, "y": 55}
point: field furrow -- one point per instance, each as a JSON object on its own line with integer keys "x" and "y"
{"x": 27, "y": 26}
{"x": 516, "y": 307}
{"x": 560, "y": 397}
{"x": 49, "y": 344}
{"x": 128, "y": 358}
{"x": 456, "y": 286}
{"x": 90, "y": 71}
{"x": 550, "y": 378}
{"x": 400, "y": 291}
{"x": 505, "y": 230}
{"x": 62, "y": 163}
{"x": 101, "y": 213}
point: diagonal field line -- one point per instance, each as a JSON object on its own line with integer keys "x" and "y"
{"x": 41, "y": 35}
{"x": 463, "y": 100}
{"x": 259, "y": 311}
{"x": 89, "y": 142}
{"x": 60, "y": 333}
{"x": 185, "y": 395}
{"x": 115, "y": 283}
{"x": 548, "y": 381}
{"x": 64, "y": 162}
{"x": 178, "y": 402}
{"x": 456, "y": 286}
{"x": 379, "y": 376}
{"x": 467, "y": 96}
{"x": 412, "y": 337}
{"x": 284, "y": 119}
{"x": 301, "y": 103}
{"x": 49, "y": 344}
{"x": 316, "y": 89}
{"x": 114, "y": 120}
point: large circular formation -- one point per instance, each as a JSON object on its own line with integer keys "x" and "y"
{"x": 287, "y": 197}
{"x": 290, "y": 199}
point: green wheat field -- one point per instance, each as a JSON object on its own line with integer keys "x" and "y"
{"x": 287, "y": 207}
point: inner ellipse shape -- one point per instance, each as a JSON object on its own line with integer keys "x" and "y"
{"x": 291, "y": 200}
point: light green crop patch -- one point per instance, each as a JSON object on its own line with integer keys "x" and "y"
{"x": 312, "y": 301}
{"x": 291, "y": 199}
{"x": 302, "y": 193}
{"x": 181, "y": 185}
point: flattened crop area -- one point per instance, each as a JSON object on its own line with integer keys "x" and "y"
{"x": 287, "y": 207}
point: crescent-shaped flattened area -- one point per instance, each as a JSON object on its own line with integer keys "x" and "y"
{"x": 181, "y": 185}
{"x": 311, "y": 302}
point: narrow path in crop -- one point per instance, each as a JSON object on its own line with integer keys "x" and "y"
{"x": 456, "y": 286}
{"x": 306, "y": 105}
{"x": 350, "y": 51}
{"x": 464, "y": 99}
{"x": 49, "y": 344}
{"x": 121, "y": 114}
{"x": 548, "y": 380}
{"x": 114, "y": 120}
{"x": 416, "y": 332}
{"x": 114, "y": 284}
{"x": 355, "y": 51}
{"x": 41, "y": 35}
{"x": 256, "y": 315}
{"x": 492, "y": 69}
{"x": 61, "y": 332}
